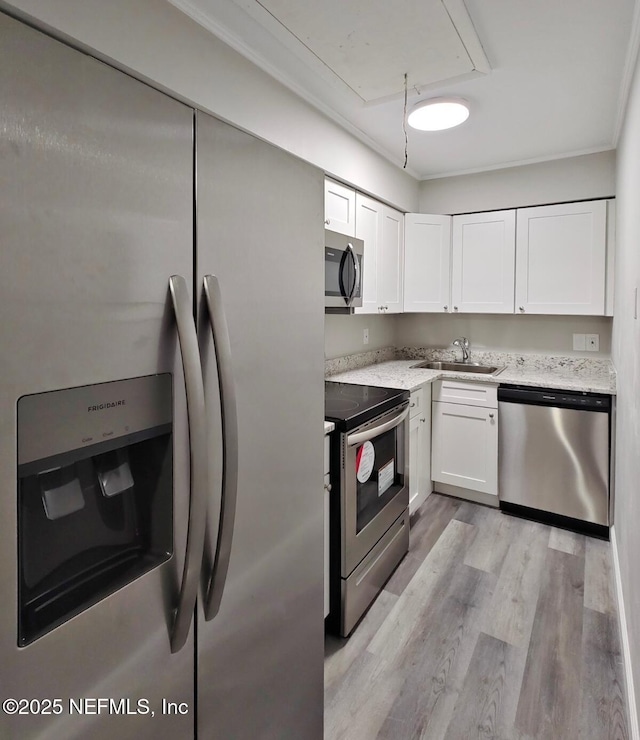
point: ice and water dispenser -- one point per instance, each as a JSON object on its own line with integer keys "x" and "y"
{"x": 95, "y": 495}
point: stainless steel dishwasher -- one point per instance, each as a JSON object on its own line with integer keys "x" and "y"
{"x": 553, "y": 456}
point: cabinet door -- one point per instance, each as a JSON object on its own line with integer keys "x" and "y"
{"x": 424, "y": 471}
{"x": 391, "y": 260}
{"x": 327, "y": 489}
{"x": 382, "y": 229}
{"x": 483, "y": 262}
{"x": 427, "y": 263}
{"x": 420, "y": 452}
{"x": 414, "y": 454}
{"x": 465, "y": 447}
{"x": 339, "y": 208}
{"x": 369, "y": 220}
{"x": 561, "y": 259}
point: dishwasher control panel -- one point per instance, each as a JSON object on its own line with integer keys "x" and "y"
{"x": 552, "y": 397}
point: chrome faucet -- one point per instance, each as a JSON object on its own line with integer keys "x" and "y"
{"x": 463, "y": 343}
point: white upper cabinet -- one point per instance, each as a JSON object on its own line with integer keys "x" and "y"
{"x": 382, "y": 230}
{"x": 391, "y": 261}
{"x": 427, "y": 263}
{"x": 611, "y": 257}
{"x": 483, "y": 262}
{"x": 369, "y": 229}
{"x": 339, "y": 208}
{"x": 561, "y": 259}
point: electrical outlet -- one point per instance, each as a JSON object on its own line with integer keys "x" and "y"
{"x": 593, "y": 342}
{"x": 365, "y": 336}
{"x": 579, "y": 342}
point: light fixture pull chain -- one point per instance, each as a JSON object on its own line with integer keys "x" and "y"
{"x": 404, "y": 124}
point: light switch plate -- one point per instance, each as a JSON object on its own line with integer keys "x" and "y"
{"x": 593, "y": 342}
{"x": 579, "y": 342}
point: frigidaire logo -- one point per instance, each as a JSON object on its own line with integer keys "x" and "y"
{"x": 107, "y": 405}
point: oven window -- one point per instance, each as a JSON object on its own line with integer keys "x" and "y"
{"x": 379, "y": 477}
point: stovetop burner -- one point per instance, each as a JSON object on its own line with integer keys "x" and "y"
{"x": 344, "y": 404}
{"x": 348, "y": 405}
{"x": 368, "y": 392}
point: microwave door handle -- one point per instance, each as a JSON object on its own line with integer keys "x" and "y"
{"x": 341, "y": 283}
{"x": 356, "y": 270}
{"x": 360, "y": 437}
{"x": 228, "y": 404}
{"x": 196, "y": 416}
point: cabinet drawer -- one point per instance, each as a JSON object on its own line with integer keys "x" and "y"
{"x": 470, "y": 394}
{"x": 326, "y": 453}
{"x": 416, "y": 402}
{"x": 367, "y": 580}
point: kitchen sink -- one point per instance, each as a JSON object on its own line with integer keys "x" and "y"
{"x": 461, "y": 367}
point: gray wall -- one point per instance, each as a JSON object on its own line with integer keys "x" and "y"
{"x": 573, "y": 178}
{"x": 343, "y": 334}
{"x": 160, "y": 44}
{"x": 626, "y": 357}
{"x": 526, "y": 334}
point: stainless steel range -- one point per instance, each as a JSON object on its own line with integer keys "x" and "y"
{"x": 369, "y": 513}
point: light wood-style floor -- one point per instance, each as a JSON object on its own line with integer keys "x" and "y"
{"x": 491, "y": 627}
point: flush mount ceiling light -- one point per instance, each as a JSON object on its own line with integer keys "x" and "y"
{"x": 438, "y": 114}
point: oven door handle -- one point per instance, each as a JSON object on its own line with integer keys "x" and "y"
{"x": 360, "y": 437}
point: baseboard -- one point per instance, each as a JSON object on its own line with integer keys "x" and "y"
{"x": 634, "y": 733}
{"x": 467, "y": 494}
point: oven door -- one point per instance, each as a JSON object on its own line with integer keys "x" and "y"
{"x": 374, "y": 489}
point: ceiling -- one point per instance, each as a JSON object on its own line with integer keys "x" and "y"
{"x": 544, "y": 79}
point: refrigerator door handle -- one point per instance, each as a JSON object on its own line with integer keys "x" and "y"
{"x": 194, "y": 388}
{"x": 229, "y": 493}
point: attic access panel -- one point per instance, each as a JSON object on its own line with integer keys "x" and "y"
{"x": 370, "y": 44}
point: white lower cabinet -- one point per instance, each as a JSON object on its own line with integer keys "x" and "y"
{"x": 419, "y": 448}
{"x": 464, "y": 451}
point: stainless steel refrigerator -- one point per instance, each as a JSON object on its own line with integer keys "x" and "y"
{"x": 161, "y": 401}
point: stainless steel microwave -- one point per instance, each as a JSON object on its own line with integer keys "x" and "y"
{"x": 343, "y": 269}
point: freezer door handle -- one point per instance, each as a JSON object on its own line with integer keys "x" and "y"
{"x": 194, "y": 388}
{"x": 229, "y": 492}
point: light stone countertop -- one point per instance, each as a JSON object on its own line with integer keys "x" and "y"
{"x": 329, "y": 426}
{"x": 400, "y": 374}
